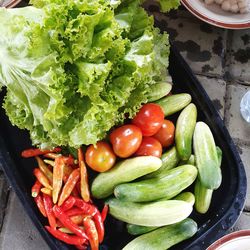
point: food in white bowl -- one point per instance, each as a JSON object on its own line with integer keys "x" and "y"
{"x": 235, "y": 6}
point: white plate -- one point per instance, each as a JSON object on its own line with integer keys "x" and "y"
{"x": 239, "y": 240}
{"x": 214, "y": 15}
{"x": 9, "y": 3}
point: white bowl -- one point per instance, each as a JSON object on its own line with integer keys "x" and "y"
{"x": 214, "y": 15}
{"x": 239, "y": 240}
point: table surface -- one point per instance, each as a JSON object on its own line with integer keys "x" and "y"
{"x": 221, "y": 61}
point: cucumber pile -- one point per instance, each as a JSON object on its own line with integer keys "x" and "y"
{"x": 155, "y": 196}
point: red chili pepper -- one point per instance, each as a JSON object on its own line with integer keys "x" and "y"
{"x": 84, "y": 177}
{"x": 67, "y": 222}
{"x": 36, "y": 151}
{"x": 69, "y": 239}
{"x": 69, "y": 160}
{"x": 99, "y": 225}
{"x": 68, "y": 204}
{"x": 57, "y": 178}
{"x": 91, "y": 232}
{"x": 87, "y": 208}
{"x": 39, "y": 202}
{"x": 48, "y": 204}
{"x": 35, "y": 190}
{"x": 104, "y": 212}
{"x": 42, "y": 178}
{"x": 69, "y": 186}
{"x": 74, "y": 211}
{"x": 44, "y": 168}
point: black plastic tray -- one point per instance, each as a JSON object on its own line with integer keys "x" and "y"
{"x": 228, "y": 200}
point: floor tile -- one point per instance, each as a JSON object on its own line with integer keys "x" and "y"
{"x": 216, "y": 89}
{"x": 18, "y": 231}
{"x": 240, "y": 55}
{"x": 237, "y": 126}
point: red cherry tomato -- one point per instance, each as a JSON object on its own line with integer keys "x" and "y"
{"x": 149, "y": 119}
{"x": 126, "y": 140}
{"x": 100, "y": 157}
{"x": 165, "y": 134}
{"x": 149, "y": 146}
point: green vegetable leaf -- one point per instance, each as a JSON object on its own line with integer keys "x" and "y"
{"x": 73, "y": 69}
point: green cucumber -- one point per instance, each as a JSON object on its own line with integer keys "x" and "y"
{"x": 174, "y": 103}
{"x": 190, "y": 161}
{"x": 184, "y": 131}
{"x": 206, "y": 157}
{"x": 137, "y": 230}
{"x": 203, "y": 195}
{"x": 155, "y": 214}
{"x": 170, "y": 159}
{"x": 170, "y": 185}
{"x": 186, "y": 196}
{"x": 125, "y": 171}
{"x": 159, "y": 90}
{"x": 164, "y": 237}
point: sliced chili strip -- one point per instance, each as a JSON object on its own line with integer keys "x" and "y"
{"x": 27, "y": 153}
{"x": 67, "y": 222}
{"x": 42, "y": 178}
{"x": 39, "y": 202}
{"x": 69, "y": 239}
{"x": 48, "y": 204}
{"x": 84, "y": 177}
{"x": 44, "y": 168}
{"x": 57, "y": 178}
{"x": 91, "y": 232}
{"x": 36, "y": 188}
{"x": 104, "y": 212}
{"x": 69, "y": 186}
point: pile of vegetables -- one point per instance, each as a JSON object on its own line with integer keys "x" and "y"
{"x": 74, "y": 72}
{"x": 150, "y": 191}
{"x": 61, "y": 193}
{"x": 75, "y": 68}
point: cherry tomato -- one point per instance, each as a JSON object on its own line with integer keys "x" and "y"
{"x": 126, "y": 140}
{"x": 149, "y": 119}
{"x": 100, "y": 157}
{"x": 149, "y": 146}
{"x": 165, "y": 134}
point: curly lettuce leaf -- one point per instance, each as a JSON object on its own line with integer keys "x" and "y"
{"x": 167, "y": 5}
{"x": 73, "y": 69}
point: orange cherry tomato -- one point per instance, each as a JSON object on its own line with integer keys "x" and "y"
{"x": 149, "y": 119}
{"x": 100, "y": 157}
{"x": 149, "y": 146}
{"x": 165, "y": 134}
{"x": 126, "y": 140}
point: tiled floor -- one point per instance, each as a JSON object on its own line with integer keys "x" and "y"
{"x": 221, "y": 61}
